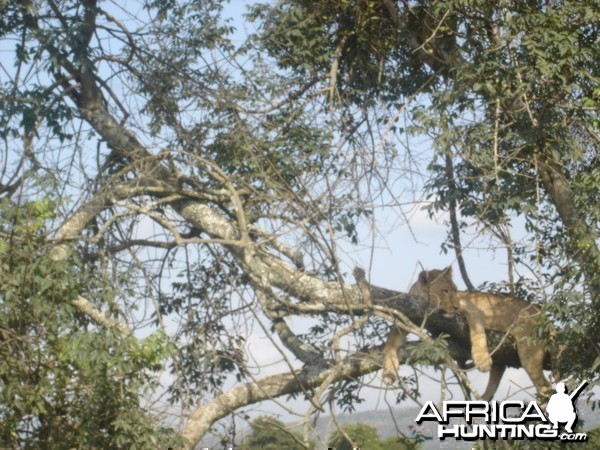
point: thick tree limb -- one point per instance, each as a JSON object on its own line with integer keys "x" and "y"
{"x": 202, "y": 418}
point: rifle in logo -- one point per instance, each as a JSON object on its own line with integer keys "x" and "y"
{"x": 576, "y": 392}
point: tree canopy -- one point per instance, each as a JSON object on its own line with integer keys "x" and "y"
{"x": 176, "y": 176}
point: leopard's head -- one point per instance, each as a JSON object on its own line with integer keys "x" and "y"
{"x": 436, "y": 287}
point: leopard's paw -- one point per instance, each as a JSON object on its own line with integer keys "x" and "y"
{"x": 389, "y": 378}
{"x": 483, "y": 361}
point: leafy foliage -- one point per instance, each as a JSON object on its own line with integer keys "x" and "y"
{"x": 208, "y": 350}
{"x": 64, "y": 382}
{"x": 272, "y": 434}
{"x": 363, "y": 436}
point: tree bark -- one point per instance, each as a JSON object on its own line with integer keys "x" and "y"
{"x": 583, "y": 247}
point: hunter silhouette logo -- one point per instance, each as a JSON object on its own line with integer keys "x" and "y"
{"x": 510, "y": 419}
{"x": 560, "y": 406}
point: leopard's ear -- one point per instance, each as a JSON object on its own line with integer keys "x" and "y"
{"x": 424, "y": 277}
{"x": 448, "y": 272}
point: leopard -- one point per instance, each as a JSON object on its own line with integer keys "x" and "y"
{"x": 484, "y": 311}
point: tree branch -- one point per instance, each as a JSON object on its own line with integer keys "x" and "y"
{"x": 86, "y": 307}
{"x": 455, "y": 229}
{"x": 583, "y": 247}
{"x": 202, "y": 418}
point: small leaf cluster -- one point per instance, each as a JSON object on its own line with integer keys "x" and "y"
{"x": 271, "y": 434}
